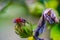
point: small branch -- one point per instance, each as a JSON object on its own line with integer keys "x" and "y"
{"x": 10, "y": 2}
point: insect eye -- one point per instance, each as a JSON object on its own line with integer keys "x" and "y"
{"x": 18, "y": 20}
{"x": 49, "y": 13}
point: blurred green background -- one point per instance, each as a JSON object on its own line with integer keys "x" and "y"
{"x": 31, "y": 10}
